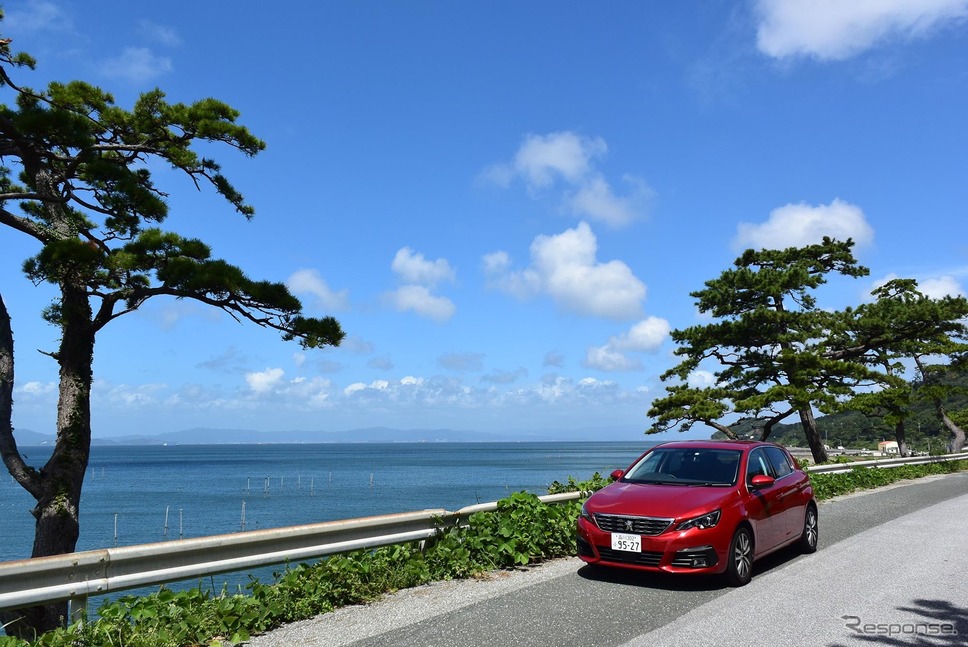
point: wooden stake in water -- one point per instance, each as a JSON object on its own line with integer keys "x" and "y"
{"x": 180, "y": 523}
{"x": 243, "y": 515}
{"x": 266, "y": 490}
{"x": 115, "y": 528}
{"x": 312, "y": 485}
{"x": 371, "y": 480}
{"x": 165, "y": 534}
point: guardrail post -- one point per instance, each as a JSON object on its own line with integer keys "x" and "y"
{"x": 77, "y": 608}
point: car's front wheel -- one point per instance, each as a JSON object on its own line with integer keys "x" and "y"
{"x": 811, "y": 530}
{"x": 739, "y": 569}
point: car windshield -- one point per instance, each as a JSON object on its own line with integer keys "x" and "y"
{"x": 686, "y": 466}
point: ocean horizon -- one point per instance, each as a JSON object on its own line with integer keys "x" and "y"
{"x": 135, "y": 494}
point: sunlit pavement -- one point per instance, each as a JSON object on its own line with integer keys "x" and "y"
{"x": 901, "y": 583}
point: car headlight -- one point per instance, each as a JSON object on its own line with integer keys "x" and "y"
{"x": 586, "y": 515}
{"x": 708, "y": 520}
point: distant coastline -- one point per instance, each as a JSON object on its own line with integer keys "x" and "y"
{"x": 208, "y": 436}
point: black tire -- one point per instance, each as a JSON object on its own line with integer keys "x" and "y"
{"x": 739, "y": 567}
{"x": 811, "y": 530}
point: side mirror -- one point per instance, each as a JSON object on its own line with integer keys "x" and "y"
{"x": 761, "y": 481}
{"x": 617, "y": 474}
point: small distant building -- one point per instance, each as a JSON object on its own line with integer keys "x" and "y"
{"x": 887, "y": 448}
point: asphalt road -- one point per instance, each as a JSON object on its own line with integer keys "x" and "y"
{"x": 891, "y": 570}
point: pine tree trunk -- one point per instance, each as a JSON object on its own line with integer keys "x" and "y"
{"x": 814, "y": 441}
{"x": 902, "y": 448}
{"x": 957, "y": 442}
{"x": 57, "y": 487}
{"x": 6, "y": 378}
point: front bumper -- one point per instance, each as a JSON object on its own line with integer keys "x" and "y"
{"x": 694, "y": 551}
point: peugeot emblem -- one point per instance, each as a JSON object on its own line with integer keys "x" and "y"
{"x": 628, "y": 524}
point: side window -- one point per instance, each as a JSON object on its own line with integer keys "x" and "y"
{"x": 758, "y": 464}
{"x": 780, "y": 460}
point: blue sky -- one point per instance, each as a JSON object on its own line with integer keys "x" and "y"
{"x": 505, "y": 204}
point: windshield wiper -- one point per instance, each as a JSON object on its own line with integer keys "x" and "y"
{"x": 654, "y": 482}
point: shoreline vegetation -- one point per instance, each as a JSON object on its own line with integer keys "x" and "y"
{"x": 522, "y": 532}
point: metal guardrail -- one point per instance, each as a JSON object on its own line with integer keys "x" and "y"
{"x": 837, "y": 468}
{"x": 76, "y": 576}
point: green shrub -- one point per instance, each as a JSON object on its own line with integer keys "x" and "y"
{"x": 826, "y": 486}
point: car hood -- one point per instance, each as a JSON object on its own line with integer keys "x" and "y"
{"x": 651, "y": 500}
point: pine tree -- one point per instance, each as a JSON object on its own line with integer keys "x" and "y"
{"x": 76, "y": 179}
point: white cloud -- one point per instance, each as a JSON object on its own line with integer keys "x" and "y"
{"x": 553, "y": 358}
{"x": 935, "y": 287}
{"x": 941, "y": 286}
{"x": 594, "y": 198}
{"x": 700, "y": 379}
{"x": 355, "y": 387}
{"x": 542, "y": 161}
{"x": 605, "y": 358}
{"x": 796, "y": 225}
{"x": 357, "y": 345}
{"x": 420, "y": 276}
{"x": 412, "y": 267}
{"x": 137, "y": 65}
{"x": 840, "y": 29}
{"x": 497, "y": 270}
{"x": 383, "y": 363}
{"x": 645, "y": 336}
{"x": 310, "y": 282}
{"x": 264, "y": 381}
{"x": 160, "y": 33}
{"x": 461, "y": 361}
{"x": 37, "y": 389}
{"x": 359, "y": 387}
{"x": 128, "y": 396}
{"x": 34, "y": 16}
{"x": 505, "y": 377}
{"x": 168, "y": 314}
{"x": 273, "y": 400}
{"x": 418, "y": 299}
{"x": 565, "y": 268}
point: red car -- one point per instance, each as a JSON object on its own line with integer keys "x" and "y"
{"x": 700, "y": 507}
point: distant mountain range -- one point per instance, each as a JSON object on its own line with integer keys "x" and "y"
{"x": 204, "y": 436}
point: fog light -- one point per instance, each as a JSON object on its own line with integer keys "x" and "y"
{"x": 696, "y": 557}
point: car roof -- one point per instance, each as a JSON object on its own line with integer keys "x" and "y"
{"x": 716, "y": 444}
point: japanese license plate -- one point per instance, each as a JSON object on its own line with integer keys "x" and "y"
{"x": 628, "y": 543}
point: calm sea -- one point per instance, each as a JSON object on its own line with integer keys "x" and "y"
{"x": 142, "y": 494}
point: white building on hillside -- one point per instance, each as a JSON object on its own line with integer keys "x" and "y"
{"x": 887, "y": 447}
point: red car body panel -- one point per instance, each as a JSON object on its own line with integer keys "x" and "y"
{"x": 774, "y": 513}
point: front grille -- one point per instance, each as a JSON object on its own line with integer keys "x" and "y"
{"x": 649, "y": 526}
{"x": 645, "y": 558}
